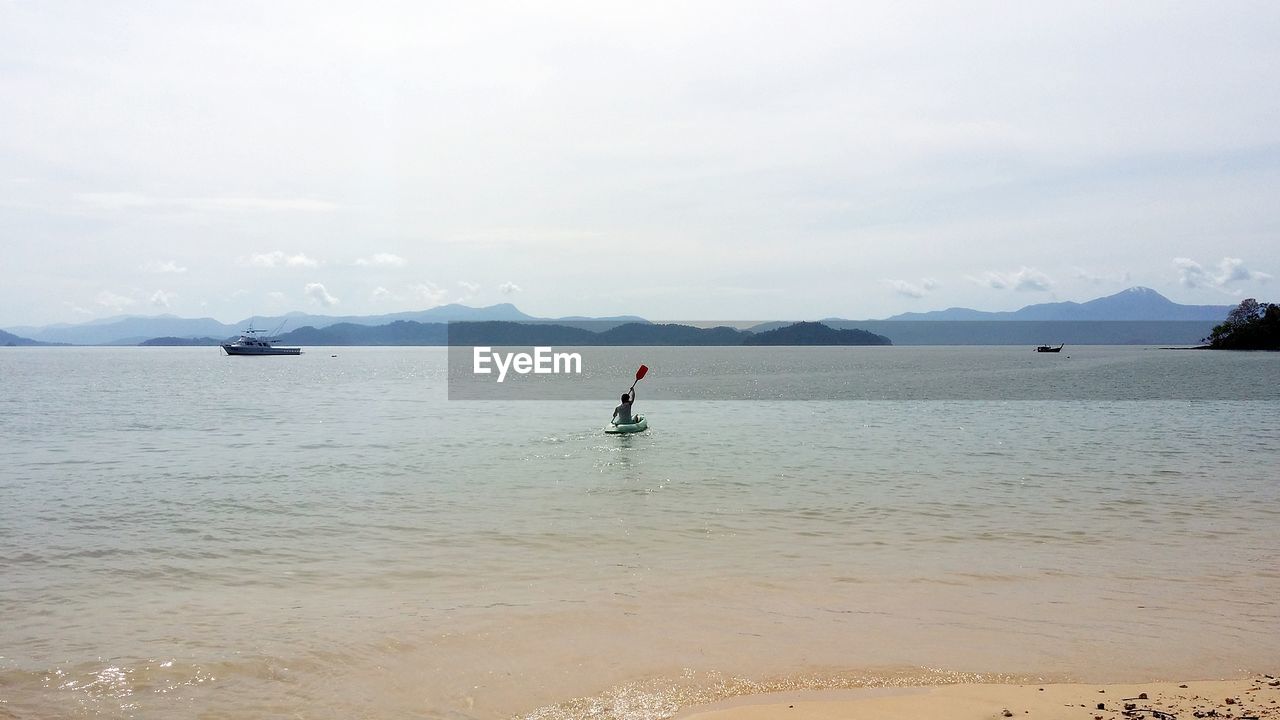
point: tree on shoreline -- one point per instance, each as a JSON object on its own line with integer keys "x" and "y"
{"x": 1251, "y": 325}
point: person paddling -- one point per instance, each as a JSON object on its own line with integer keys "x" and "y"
{"x": 622, "y": 413}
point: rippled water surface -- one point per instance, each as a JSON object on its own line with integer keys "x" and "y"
{"x": 184, "y": 535}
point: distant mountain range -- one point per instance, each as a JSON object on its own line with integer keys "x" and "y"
{"x": 136, "y": 329}
{"x": 503, "y": 333}
{"x": 1135, "y": 305}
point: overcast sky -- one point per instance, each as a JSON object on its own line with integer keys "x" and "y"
{"x": 673, "y": 160}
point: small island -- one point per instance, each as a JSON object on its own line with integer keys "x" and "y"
{"x": 815, "y": 333}
{"x": 1251, "y": 325}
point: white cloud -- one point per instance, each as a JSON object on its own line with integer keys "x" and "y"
{"x": 112, "y": 301}
{"x": 162, "y": 266}
{"x": 1101, "y": 279}
{"x": 1190, "y": 273}
{"x": 509, "y": 288}
{"x": 912, "y": 290}
{"x": 1024, "y": 278}
{"x": 379, "y": 293}
{"x": 161, "y": 298}
{"x": 275, "y": 296}
{"x": 1194, "y": 275}
{"x": 469, "y": 288}
{"x": 1232, "y": 270}
{"x": 381, "y": 260}
{"x": 251, "y": 203}
{"x": 319, "y": 295}
{"x": 428, "y": 293}
{"x": 277, "y": 258}
{"x": 117, "y": 201}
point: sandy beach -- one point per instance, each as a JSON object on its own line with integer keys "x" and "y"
{"x": 1256, "y": 696}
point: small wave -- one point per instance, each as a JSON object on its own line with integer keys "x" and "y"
{"x": 662, "y": 698}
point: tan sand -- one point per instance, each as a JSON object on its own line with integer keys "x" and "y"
{"x": 1257, "y": 696}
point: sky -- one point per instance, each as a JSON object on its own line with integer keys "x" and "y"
{"x": 715, "y": 160}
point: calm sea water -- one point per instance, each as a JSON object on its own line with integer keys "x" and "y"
{"x": 187, "y": 535}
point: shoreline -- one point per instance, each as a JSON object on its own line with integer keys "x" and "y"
{"x": 1256, "y": 695}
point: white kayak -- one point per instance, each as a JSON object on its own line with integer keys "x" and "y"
{"x": 639, "y": 425}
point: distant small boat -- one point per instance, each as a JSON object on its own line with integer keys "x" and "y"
{"x": 250, "y": 343}
{"x": 1050, "y": 348}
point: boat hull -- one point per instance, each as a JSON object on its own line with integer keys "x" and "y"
{"x": 231, "y": 349}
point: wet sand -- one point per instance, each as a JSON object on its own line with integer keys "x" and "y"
{"x": 1256, "y": 696}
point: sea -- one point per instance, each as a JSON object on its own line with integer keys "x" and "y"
{"x": 189, "y": 535}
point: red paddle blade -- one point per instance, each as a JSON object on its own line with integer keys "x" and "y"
{"x": 640, "y": 373}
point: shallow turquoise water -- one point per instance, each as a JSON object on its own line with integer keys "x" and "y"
{"x": 185, "y": 533}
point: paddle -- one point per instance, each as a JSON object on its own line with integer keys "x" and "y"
{"x": 639, "y": 375}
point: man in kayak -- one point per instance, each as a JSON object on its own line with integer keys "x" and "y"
{"x": 622, "y": 413}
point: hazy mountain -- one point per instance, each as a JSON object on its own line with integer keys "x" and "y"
{"x": 400, "y": 332}
{"x": 11, "y": 340}
{"x": 134, "y": 329}
{"x": 452, "y": 312}
{"x": 1136, "y": 303}
{"x": 671, "y": 334}
{"x": 1035, "y": 332}
{"x": 525, "y": 334}
{"x": 182, "y": 342}
{"x": 130, "y": 330}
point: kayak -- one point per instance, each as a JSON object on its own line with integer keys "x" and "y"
{"x": 639, "y": 425}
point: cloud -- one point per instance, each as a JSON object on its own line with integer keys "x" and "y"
{"x": 1194, "y": 275}
{"x": 276, "y": 258}
{"x": 112, "y": 301}
{"x": 508, "y": 288}
{"x": 1190, "y": 273}
{"x": 116, "y": 201}
{"x": 469, "y": 287}
{"x": 1082, "y": 274}
{"x": 319, "y": 295}
{"x": 418, "y": 295}
{"x": 1232, "y": 270}
{"x": 275, "y": 296}
{"x": 912, "y": 290}
{"x": 1024, "y": 279}
{"x": 161, "y": 298}
{"x": 162, "y": 266}
{"x": 428, "y": 293}
{"x": 381, "y": 260}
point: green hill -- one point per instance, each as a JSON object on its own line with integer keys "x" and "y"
{"x": 815, "y": 333}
